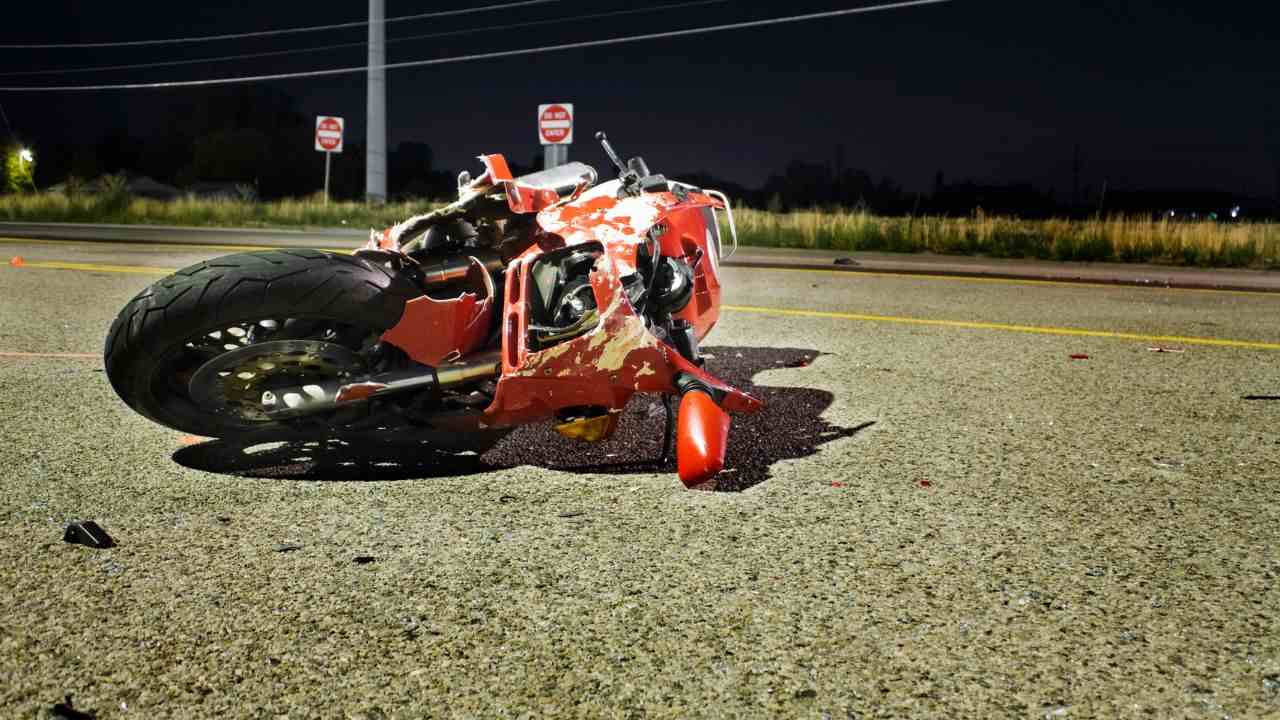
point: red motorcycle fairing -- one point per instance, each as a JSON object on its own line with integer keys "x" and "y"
{"x": 620, "y": 357}
{"x": 434, "y": 331}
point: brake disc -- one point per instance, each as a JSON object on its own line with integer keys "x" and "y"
{"x": 234, "y": 382}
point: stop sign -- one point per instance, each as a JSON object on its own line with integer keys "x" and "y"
{"x": 328, "y": 134}
{"x": 555, "y": 124}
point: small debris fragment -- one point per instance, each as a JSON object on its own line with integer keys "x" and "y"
{"x": 87, "y": 533}
{"x": 802, "y": 362}
{"x": 287, "y": 547}
{"x": 1079, "y": 356}
{"x": 925, "y": 483}
{"x": 1271, "y": 682}
{"x": 65, "y": 711}
{"x": 223, "y": 519}
{"x": 846, "y": 261}
{"x": 1096, "y": 572}
{"x": 364, "y": 559}
{"x": 1168, "y": 463}
{"x": 806, "y": 694}
{"x": 508, "y": 499}
{"x": 189, "y": 440}
{"x": 572, "y": 513}
{"x": 17, "y": 261}
{"x": 1162, "y": 349}
{"x": 837, "y": 484}
{"x": 1261, "y": 397}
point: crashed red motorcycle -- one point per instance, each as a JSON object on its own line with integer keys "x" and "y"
{"x": 533, "y": 298}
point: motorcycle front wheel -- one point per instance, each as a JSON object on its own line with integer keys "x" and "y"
{"x": 197, "y": 350}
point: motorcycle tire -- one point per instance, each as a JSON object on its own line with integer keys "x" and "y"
{"x": 160, "y": 336}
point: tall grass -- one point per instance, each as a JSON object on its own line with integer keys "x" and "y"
{"x": 115, "y": 206}
{"x": 1118, "y": 239}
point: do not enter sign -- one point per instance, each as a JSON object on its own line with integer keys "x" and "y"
{"x": 555, "y": 124}
{"x": 329, "y": 134}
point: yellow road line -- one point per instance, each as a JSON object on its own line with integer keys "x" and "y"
{"x": 921, "y": 275}
{"x": 924, "y": 275}
{"x": 1033, "y": 329}
{"x": 94, "y": 267}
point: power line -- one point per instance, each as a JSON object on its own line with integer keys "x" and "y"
{"x": 483, "y": 56}
{"x": 267, "y": 33}
{"x": 277, "y": 53}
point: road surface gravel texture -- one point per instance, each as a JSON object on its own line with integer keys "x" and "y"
{"x": 940, "y": 513}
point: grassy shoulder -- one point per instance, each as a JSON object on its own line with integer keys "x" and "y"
{"x": 119, "y": 208}
{"x": 1110, "y": 239}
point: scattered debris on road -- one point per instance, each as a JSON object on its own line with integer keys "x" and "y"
{"x": 1079, "y": 356}
{"x": 17, "y": 261}
{"x": 1261, "y": 397}
{"x": 846, "y": 261}
{"x": 1168, "y": 463}
{"x": 572, "y": 514}
{"x": 1162, "y": 349}
{"x": 89, "y": 534}
{"x": 508, "y": 499}
{"x": 925, "y": 484}
{"x": 837, "y": 484}
{"x": 804, "y": 361}
{"x": 223, "y": 519}
{"x": 364, "y": 559}
{"x": 287, "y": 547}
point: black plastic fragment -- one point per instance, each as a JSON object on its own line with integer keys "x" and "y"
{"x": 364, "y": 559}
{"x": 1262, "y": 397}
{"x": 287, "y": 547}
{"x": 846, "y": 261}
{"x": 88, "y": 533}
{"x": 65, "y": 711}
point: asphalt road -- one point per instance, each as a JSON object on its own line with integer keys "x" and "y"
{"x": 940, "y": 513}
{"x": 746, "y": 256}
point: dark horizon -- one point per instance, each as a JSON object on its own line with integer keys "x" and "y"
{"x": 996, "y": 93}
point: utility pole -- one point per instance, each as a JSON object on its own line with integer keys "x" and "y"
{"x": 375, "y": 159}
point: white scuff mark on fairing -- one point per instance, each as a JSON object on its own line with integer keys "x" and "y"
{"x": 633, "y": 336}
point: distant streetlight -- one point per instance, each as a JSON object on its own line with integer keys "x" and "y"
{"x": 26, "y": 158}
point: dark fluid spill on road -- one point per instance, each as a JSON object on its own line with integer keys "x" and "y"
{"x": 790, "y": 426}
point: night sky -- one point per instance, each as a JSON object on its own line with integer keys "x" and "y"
{"x": 1157, "y": 95}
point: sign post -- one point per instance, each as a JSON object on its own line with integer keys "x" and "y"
{"x": 555, "y": 132}
{"x": 328, "y": 141}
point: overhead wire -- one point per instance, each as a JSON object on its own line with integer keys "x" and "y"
{"x": 268, "y": 33}
{"x": 487, "y": 55}
{"x": 338, "y": 46}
